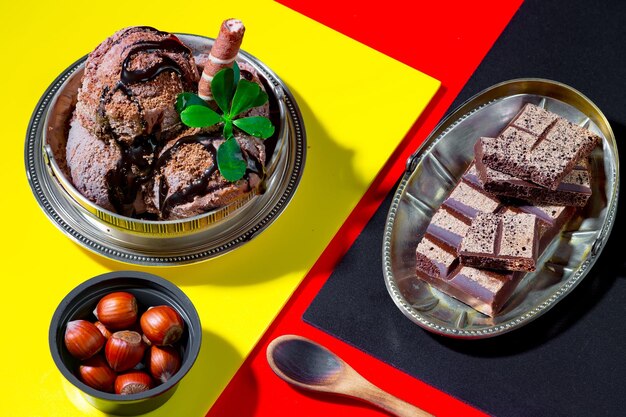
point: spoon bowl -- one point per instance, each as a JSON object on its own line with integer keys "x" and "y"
{"x": 310, "y": 366}
{"x": 301, "y": 362}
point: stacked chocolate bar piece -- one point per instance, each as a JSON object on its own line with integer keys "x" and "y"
{"x": 515, "y": 197}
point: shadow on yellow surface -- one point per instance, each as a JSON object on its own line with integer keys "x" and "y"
{"x": 216, "y": 362}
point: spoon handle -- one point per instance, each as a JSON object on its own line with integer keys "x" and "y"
{"x": 388, "y": 402}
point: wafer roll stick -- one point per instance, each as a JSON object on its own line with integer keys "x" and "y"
{"x": 222, "y": 54}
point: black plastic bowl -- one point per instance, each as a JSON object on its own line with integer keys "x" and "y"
{"x": 150, "y": 290}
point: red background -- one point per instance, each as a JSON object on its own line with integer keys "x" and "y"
{"x": 446, "y": 40}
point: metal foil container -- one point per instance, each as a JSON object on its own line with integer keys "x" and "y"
{"x": 436, "y": 167}
{"x": 167, "y": 242}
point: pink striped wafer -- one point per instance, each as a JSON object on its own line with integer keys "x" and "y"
{"x": 222, "y": 54}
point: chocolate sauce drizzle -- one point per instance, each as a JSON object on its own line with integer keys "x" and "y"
{"x": 247, "y": 75}
{"x": 169, "y": 44}
{"x": 200, "y": 186}
{"x": 132, "y": 170}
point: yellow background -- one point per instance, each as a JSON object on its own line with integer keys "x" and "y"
{"x": 357, "y": 105}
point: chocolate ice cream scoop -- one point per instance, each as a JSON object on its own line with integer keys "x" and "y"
{"x": 187, "y": 181}
{"x": 131, "y": 82}
{"x": 91, "y": 160}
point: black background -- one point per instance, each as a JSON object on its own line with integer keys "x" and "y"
{"x": 572, "y": 360}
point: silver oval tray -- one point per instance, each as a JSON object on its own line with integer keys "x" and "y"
{"x": 168, "y": 242}
{"x": 437, "y": 166}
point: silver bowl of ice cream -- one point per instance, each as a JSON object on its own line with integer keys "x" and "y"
{"x": 111, "y": 164}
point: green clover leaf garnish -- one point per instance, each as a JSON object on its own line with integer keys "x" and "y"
{"x": 223, "y": 88}
{"x": 199, "y": 116}
{"x": 261, "y": 99}
{"x": 245, "y": 96}
{"x": 233, "y": 96}
{"x": 257, "y": 126}
{"x": 237, "y": 74}
{"x": 230, "y": 161}
{"x": 188, "y": 99}
{"x": 228, "y": 129}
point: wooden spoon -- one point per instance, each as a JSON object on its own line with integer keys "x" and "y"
{"x": 306, "y": 364}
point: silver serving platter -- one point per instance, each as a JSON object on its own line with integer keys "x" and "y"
{"x": 437, "y": 166}
{"x": 159, "y": 243}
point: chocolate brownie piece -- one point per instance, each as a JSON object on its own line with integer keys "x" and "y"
{"x": 497, "y": 241}
{"x": 484, "y": 290}
{"x": 573, "y": 190}
{"x": 544, "y": 158}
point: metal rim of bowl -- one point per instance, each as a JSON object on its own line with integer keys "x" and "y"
{"x": 42, "y": 186}
{"x": 479, "y": 100}
{"x": 140, "y": 277}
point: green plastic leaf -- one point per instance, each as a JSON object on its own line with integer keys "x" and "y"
{"x": 223, "y": 88}
{"x": 245, "y": 97}
{"x": 199, "y": 116}
{"x": 230, "y": 160}
{"x": 258, "y": 126}
{"x": 228, "y": 129}
{"x": 185, "y": 100}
